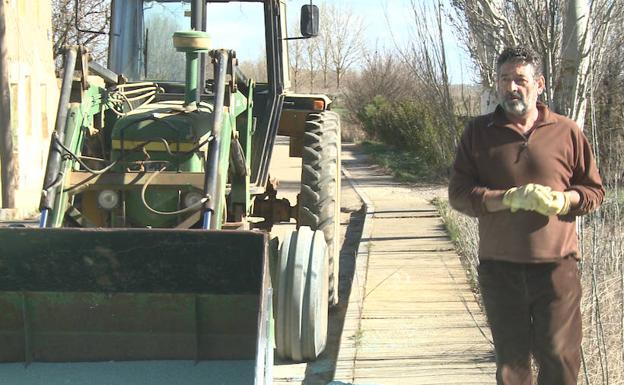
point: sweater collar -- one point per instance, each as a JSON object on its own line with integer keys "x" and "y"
{"x": 546, "y": 117}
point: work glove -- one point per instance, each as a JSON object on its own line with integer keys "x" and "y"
{"x": 530, "y": 197}
{"x": 557, "y": 204}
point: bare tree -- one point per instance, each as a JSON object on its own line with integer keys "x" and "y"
{"x": 92, "y": 15}
{"x": 605, "y": 103}
{"x": 489, "y": 25}
{"x": 584, "y": 42}
{"x": 425, "y": 53}
{"x": 425, "y": 56}
{"x": 345, "y": 31}
{"x": 310, "y": 48}
{"x": 382, "y": 74}
{"x": 324, "y": 43}
{"x": 295, "y": 56}
{"x": 255, "y": 69}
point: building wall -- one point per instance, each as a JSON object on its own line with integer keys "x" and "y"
{"x": 34, "y": 93}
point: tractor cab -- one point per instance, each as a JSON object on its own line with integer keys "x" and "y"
{"x": 255, "y": 35}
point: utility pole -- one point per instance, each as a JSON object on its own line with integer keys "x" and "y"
{"x": 7, "y": 158}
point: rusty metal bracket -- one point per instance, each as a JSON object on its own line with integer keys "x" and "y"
{"x": 272, "y": 209}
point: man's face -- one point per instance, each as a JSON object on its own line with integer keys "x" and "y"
{"x": 518, "y": 88}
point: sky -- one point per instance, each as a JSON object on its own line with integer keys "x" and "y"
{"x": 388, "y": 21}
{"x": 387, "y": 24}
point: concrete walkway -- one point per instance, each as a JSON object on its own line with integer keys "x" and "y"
{"x": 411, "y": 317}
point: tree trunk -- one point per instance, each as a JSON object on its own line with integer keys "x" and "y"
{"x": 570, "y": 90}
{"x": 325, "y": 77}
{"x": 338, "y": 76}
{"x": 311, "y": 58}
{"x": 7, "y": 158}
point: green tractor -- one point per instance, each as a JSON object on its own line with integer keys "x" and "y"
{"x": 153, "y": 262}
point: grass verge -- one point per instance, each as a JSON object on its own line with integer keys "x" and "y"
{"x": 406, "y": 166}
{"x": 464, "y": 233}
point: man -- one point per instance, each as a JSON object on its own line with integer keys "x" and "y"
{"x": 526, "y": 172}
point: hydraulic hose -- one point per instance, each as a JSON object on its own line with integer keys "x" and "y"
{"x": 214, "y": 148}
{"x": 54, "y": 164}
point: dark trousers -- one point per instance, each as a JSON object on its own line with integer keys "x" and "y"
{"x": 534, "y": 309}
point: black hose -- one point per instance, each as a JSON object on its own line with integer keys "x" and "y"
{"x": 54, "y": 163}
{"x": 83, "y": 164}
{"x": 212, "y": 161}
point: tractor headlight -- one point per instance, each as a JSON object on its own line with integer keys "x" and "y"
{"x": 108, "y": 199}
{"x": 192, "y": 198}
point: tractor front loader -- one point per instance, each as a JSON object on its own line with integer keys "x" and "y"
{"x": 153, "y": 262}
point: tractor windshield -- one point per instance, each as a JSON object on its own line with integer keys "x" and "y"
{"x": 236, "y": 25}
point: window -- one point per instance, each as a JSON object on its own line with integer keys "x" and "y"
{"x": 240, "y": 26}
{"x": 237, "y": 26}
{"x": 162, "y": 61}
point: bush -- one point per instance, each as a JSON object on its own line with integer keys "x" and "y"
{"x": 412, "y": 125}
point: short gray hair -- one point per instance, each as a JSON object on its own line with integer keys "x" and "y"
{"x": 520, "y": 54}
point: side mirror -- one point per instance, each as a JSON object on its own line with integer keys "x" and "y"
{"x": 309, "y": 20}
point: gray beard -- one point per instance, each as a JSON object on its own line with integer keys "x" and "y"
{"x": 515, "y": 107}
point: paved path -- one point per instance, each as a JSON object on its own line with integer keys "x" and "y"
{"x": 406, "y": 314}
{"x": 411, "y": 317}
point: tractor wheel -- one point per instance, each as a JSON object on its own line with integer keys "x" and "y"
{"x": 319, "y": 200}
{"x": 302, "y": 293}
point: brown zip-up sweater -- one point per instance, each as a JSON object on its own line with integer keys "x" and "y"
{"x": 494, "y": 156}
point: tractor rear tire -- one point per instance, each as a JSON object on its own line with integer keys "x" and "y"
{"x": 319, "y": 200}
{"x": 301, "y": 314}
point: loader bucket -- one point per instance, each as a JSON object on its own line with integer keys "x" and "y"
{"x": 95, "y": 295}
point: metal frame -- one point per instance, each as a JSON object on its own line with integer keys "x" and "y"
{"x": 275, "y": 100}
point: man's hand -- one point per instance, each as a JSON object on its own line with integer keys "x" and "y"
{"x": 538, "y": 198}
{"x": 559, "y": 204}
{"x": 530, "y": 197}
